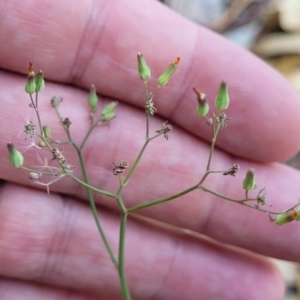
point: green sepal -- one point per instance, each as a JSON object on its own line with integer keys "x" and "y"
{"x": 30, "y": 86}
{"x": 202, "y": 109}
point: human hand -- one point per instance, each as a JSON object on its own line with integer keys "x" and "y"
{"x": 49, "y": 245}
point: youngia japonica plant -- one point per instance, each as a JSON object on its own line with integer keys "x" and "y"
{"x": 56, "y": 166}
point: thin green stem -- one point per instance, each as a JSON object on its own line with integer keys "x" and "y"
{"x": 212, "y": 146}
{"x": 94, "y": 209}
{"x": 161, "y": 200}
{"x": 27, "y": 169}
{"x": 34, "y": 105}
{"x": 119, "y": 198}
{"x": 106, "y": 193}
{"x": 37, "y": 171}
{"x": 89, "y": 194}
{"x": 125, "y": 181}
{"x": 207, "y": 173}
{"x": 121, "y": 268}
{"x": 129, "y": 174}
{"x": 57, "y": 113}
{"x": 66, "y": 129}
{"x": 204, "y": 177}
{"x": 241, "y": 201}
{"x": 59, "y": 142}
{"x": 147, "y": 117}
{"x": 246, "y": 194}
{"x": 88, "y": 134}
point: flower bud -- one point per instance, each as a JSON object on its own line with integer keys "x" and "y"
{"x": 144, "y": 71}
{"x": 30, "y": 86}
{"x": 47, "y": 132}
{"x": 166, "y": 75}
{"x": 108, "y": 117}
{"x": 109, "y": 108}
{"x": 30, "y": 83}
{"x": 222, "y": 99}
{"x": 287, "y": 217}
{"x": 249, "y": 181}
{"x": 93, "y": 98}
{"x": 15, "y": 157}
{"x": 39, "y": 81}
{"x": 202, "y": 107}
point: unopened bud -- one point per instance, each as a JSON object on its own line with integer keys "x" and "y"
{"x": 108, "y": 117}
{"x": 144, "y": 71}
{"x": 202, "y": 107}
{"x": 109, "y": 108}
{"x": 222, "y": 99}
{"x": 30, "y": 85}
{"x": 93, "y": 98}
{"x": 249, "y": 181}
{"x": 15, "y": 157}
{"x": 166, "y": 75}
{"x": 39, "y": 81}
{"x": 287, "y": 217}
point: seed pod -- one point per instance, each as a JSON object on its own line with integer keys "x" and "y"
{"x": 15, "y": 157}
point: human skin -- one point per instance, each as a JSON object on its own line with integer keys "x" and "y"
{"x": 196, "y": 247}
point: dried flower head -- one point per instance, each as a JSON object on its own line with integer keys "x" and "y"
{"x": 232, "y": 171}
{"x": 150, "y": 110}
{"x": 165, "y": 129}
{"x": 120, "y": 168}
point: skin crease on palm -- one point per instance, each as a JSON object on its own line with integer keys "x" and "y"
{"x": 49, "y": 245}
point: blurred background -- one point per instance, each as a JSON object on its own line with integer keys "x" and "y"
{"x": 270, "y": 29}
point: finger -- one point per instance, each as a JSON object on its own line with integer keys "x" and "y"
{"x": 13, "y": 289}
{"x": 54, "y": 240}
{"x": 167, "y": 168}
{"x": 101, "y": 46}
